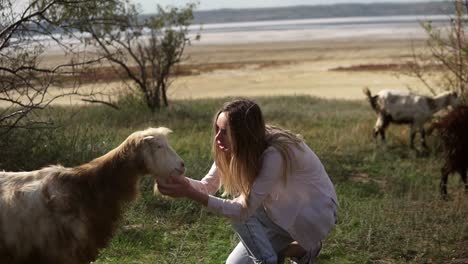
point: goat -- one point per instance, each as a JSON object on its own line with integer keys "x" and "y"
{"x": 400, "y": 107}
{"x": 66, "y": 215}
{"x": 453, "y": 132}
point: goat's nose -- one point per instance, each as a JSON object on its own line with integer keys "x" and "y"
{"x": 182, "y": 164}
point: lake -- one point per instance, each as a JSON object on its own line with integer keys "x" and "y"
{"x": 392, "y": 27}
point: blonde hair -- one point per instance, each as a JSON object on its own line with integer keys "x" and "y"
{"x": 282, "y": 140}
{"x": 249, "y": 137}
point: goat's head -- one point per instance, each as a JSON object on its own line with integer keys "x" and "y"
{"x": 452, "y": 99}
{"x": 156, "y": 155}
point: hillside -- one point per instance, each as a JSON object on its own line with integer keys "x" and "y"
{"x": 322, "y": 11}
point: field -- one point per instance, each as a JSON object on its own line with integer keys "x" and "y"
{"x": 390, "y": 210}
{"x": 334, "y": 69}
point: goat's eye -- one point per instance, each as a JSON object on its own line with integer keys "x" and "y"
{"x": 159, "y": 146}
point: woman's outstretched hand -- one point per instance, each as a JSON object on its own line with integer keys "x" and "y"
{"x": 177, "y": 186}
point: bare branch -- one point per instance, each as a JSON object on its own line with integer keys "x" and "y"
{"x": 100, "y": 102}
{"x": 8, "y": 31}
{"x": 25, "y": 83}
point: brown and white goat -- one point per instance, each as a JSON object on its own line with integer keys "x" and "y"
{"x": 453, "y": 132}
{"x": 66, "y": 215}
{"x": 399, "y": 107}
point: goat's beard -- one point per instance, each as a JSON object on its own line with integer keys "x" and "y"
{"x": 155, "y": 187}
{"x": 164, "y": 180}
{"x": 156, "y": 190}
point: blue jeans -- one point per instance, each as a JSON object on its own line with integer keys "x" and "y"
{"x": 261, "y": 240}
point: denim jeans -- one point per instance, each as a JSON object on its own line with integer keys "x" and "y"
{"x": 261, "y": 240}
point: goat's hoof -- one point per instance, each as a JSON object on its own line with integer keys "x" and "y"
{"x": 445, "y": 197}
{"x": 423, "y": 153}
{"x": 375, "y": 133}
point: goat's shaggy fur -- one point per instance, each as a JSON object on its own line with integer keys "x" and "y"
{"x": 453, "y": 131}
{"x": 400, "y": 107}
{"x": 65, "y": 215}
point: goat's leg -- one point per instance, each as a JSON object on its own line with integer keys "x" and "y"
{"x": 423, "y": 137}
{"x": 384, "y": 128}
{"x": 463, "y": 177}
{"x": 376, "y": 132}
{"x": 412, "y": 135}
{"x": 385, "y": 121}
{"x": 378, "y": 127}
{"x": 382, "y": 133}
{"x": 443, "y": 182}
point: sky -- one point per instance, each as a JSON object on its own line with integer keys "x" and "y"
{"x": 149, "y": 6}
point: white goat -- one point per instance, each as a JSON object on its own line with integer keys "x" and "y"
{"x": 65, "y": 215}
{"x": 401, "y": 107}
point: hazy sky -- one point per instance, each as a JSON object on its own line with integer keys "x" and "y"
{"x": 148, "y": 6}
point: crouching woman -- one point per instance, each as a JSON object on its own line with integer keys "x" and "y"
{"x": 283, "y": 202}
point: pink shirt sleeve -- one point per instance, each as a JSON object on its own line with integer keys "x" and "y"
{"x": 209, "y": 184}
{"x": 270, "y": 175}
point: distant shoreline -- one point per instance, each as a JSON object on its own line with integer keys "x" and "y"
{"x": 322, "y": 11}
{"x": 323, "y": 29}
{"x": 389, "y": 27}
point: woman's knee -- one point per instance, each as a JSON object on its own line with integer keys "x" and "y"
{"x": 239, "y": 255}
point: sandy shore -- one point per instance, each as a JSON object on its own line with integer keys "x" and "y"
{"x": 301, "y": 68}
{"x": 285, "y": 68}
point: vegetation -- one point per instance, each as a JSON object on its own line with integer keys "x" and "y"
{"x": 24, "y": 81}
{"x": 146, "y": 50}
{"x": 448, "y": 51}
{"x": 390, "y": 209}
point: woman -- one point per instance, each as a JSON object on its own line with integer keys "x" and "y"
{"x": 283, "y": 202}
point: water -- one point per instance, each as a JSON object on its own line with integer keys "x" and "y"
{"x": 391, "y": 27}
{"x": 383, "y": 27}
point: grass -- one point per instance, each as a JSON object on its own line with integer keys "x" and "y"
{"x": 390, "y": 211}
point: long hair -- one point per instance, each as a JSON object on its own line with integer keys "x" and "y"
{"x": 249, "y": 137}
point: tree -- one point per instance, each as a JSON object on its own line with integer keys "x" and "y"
{"x": 146, "y": 50}
{"x": 448, "y": 54}
{"x": 25, "y": 82}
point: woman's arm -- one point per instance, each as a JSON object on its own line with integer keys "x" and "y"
{"x": 269, "y": 176}
{"x": 209, "y": 184}
{"x": 180, "y": 187}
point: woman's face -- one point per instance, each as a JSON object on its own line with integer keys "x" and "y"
{"x": 222, "y": 135}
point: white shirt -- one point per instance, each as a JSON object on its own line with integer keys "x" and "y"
{"x": 305, "y": 207}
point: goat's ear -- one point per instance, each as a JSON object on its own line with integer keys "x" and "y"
{"x": 146, "y": 140}
{"x": 164, "y": 130}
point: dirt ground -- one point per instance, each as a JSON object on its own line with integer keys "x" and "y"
{"x": 337, "y": 69}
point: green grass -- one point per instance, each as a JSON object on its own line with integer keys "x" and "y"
{"x": 390, "y": 211}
